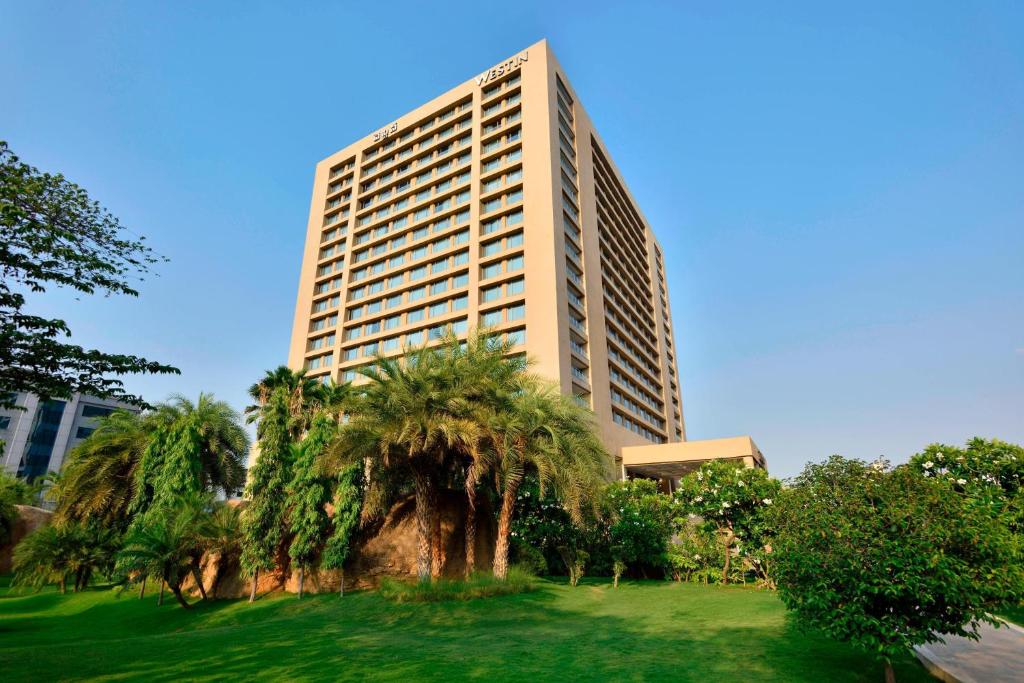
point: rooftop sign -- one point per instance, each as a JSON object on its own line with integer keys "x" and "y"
{"x": 502, "y": 69}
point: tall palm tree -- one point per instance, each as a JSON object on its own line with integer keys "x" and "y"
{"x": 484, "y": 372}
{"x": 410, "y": 416}
{"x": 99, "y": 476}
{"x": 539, "y": 429}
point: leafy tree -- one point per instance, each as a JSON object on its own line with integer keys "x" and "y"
{"x": 264, "y": 516}
{"x": 639, "y": 524}
{"x": 731, "y": 499}
{"x": 62, "y": 553}
{"x": 348, "y": 501}
{"x": 193, "y": 448}
{"x": 53, "y": 234}
{"x": 888, "y": 559}
{"x": 305, "y": 397}
{"x": 307, "y": 497}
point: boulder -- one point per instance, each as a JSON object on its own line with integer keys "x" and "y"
{"x": 29, "y": 519}
{"x": 387, "y": 549}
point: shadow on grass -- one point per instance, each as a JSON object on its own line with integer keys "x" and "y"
{"x": 641, "y": 631}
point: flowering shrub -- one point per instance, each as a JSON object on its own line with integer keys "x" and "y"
{"x": 731, "y": 499}
{"x": 543, "y": 524}
{"x": 990, "y": 471}
{"x": 638, "y": 522}
{"x": 887, "y": 559}
{"x": 694, "y": 554}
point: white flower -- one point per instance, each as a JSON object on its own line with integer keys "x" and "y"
{"x": 741, "y": 483}
{"x": 700, "y": 476}
{"x": 928, "y": 465}
{"x": 961, "y": 481}
{"x": 767, "y": 501}
{"x": 696, "y": 557}
{"x": 726, "y": 504}
{"x": 698, "y": 499}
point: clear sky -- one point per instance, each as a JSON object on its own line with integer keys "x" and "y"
{"x": 839, "y": 190}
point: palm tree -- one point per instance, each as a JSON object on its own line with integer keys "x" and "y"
{"x": 167, "y": 544}
{"x": 411, "y": 416}
{"x": 57, "y": 553}
{"x": 99, "y": 476}
{"x": 489, "y": 377}
{"x": 539, "y": 429}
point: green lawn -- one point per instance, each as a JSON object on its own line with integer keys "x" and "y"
{"x": 1014, "y": 614}
{"x": 642, "y": 631}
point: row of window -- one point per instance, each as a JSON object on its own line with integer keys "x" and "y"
{"x": 504, "y": 85}
{"x": 425, "y": 126}
{"x": 438, "y": 245}
{"x": 415, "y": 315}
{"x": 417, "y": 338}
{"x": 505, "y": 289}
{"x": 509, "y": 265}
{"x": 514, "y": 337}
{"x": 496, "y": 203}
{"x": 502, "y": 315}
{"x": 433, "y": 268}
{"x": 347, "y": 165}
{"x": 632, "y": 369}
{"x": 495, "y": 107}
{"x": 635, "y": 388}
{"x": 422, "y": 146}
{"x": 501, "y": 244}
{"x": 636, "y": 427}
{"x": 386, "y": 211}
{"x": 615, "y": 337}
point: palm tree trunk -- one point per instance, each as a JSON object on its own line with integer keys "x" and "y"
{"x": 176, "y": 589}
{"x": 160, "y": 600}
{"x": 302, "y": 579}
{"x": 422, "y": 485}
{"x": 142, "y": 588}
{"x": 508, "y": 502}
{"x": 63, "y": 584}
{"x": 890, "y": 675}
{"x": 436, "y": 547}
{"x": 471, "y": 479}
{"x": 199, "y": 580}
{"x": 341, "y": 589}
{"x": 255, "y": 578}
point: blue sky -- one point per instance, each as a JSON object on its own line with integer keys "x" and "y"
{"x": 839, "y": 190}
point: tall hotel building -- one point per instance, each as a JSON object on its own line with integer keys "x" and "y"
{"x": 496, "y": 204}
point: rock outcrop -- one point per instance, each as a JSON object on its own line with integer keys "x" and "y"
{"x": 29, "y": 519}
{"x": 388, "y": 549}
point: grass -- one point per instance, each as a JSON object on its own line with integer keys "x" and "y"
{"x": 640, "y": 631}
{"x": 479, "y": 586}
{"x": 1014, "y": 614}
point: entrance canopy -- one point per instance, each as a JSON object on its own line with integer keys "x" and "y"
{"x": 674, "y": 460}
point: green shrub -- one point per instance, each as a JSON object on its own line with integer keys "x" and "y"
{"x": 480, "y": 585}
{"x": 529, "y": 559}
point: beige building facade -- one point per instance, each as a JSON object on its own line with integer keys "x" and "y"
{"x": 495, "y": 204}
